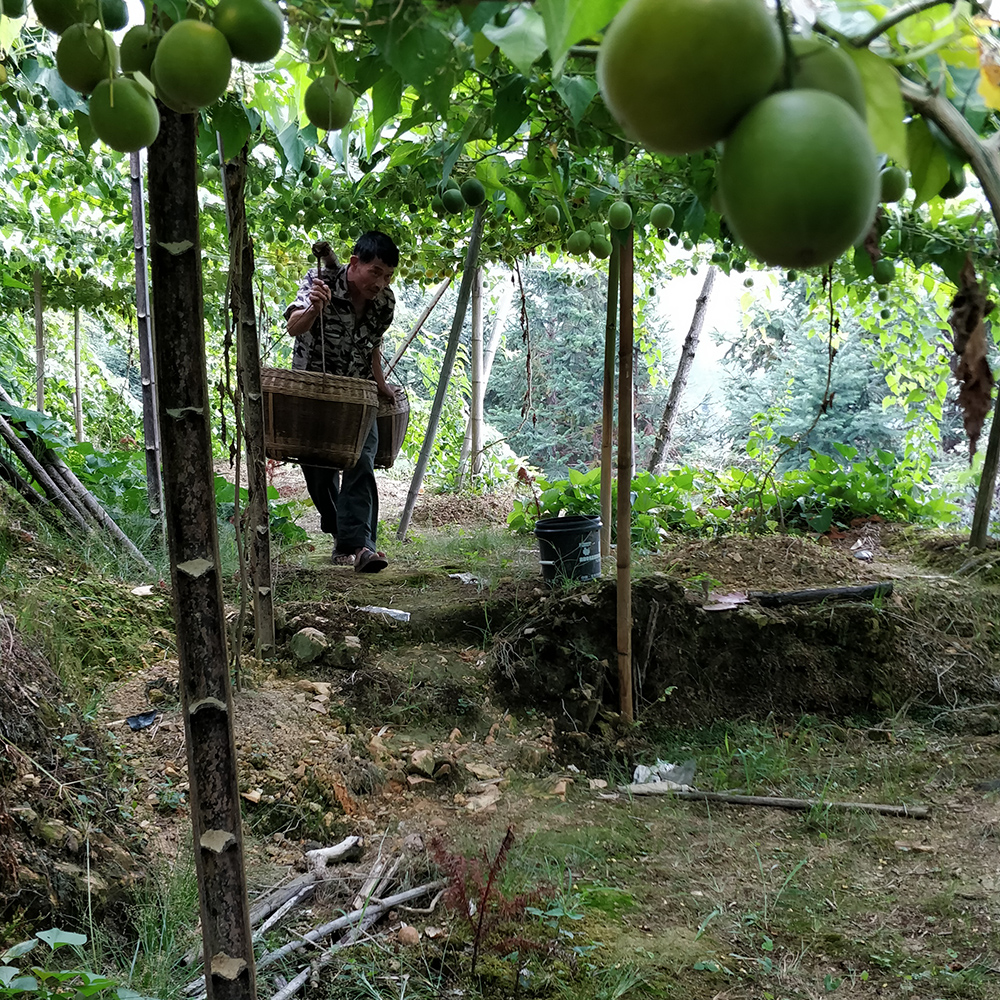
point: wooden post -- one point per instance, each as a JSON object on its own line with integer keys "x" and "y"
{"x": 77, "y": 380}
{"x": 257, "y": 539}
{"x": 185, "y": 411}
{"x": 39, "y": 344}
{"x": 608, "y": 416}
{"x": 623, "y": 523}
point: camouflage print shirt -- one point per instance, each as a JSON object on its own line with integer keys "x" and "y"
{"x": 350, "y": 339}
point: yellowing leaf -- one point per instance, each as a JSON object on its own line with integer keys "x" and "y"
{"x": 989, "y": 92}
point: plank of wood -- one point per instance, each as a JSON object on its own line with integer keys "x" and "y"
{"x": 866, "y": 592}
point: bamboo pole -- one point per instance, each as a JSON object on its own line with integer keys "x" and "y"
{"x": 82, "y": 500}
{"x": 476, "y": 407}
{"x": 608, "y": 413}
{"x": 776, "y": 802}
{"x": 144, "y": 332}
{"x": 684, "y": 363}
{"x": 77, "y": 380}
{"x": 499, "y": 322}
{"x": 465, "y": 290}
{"x": 438, "y": 292}
{"x": 39, "y": 343}
{"x": 623, "y": 523}
{"x": 52, "y": 491}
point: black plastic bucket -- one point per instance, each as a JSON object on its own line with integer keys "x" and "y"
{"x": 569, "y": 547}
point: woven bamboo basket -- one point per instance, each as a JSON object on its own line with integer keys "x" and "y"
{"x": 316, "y": 418}
{"x": 392, "y": 419}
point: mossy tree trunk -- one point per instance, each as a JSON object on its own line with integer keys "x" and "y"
{"x": 195, "y": 573}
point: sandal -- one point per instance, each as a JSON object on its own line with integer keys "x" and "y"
{"x": 342, "y": 559}
{"x": 368, "y": 561}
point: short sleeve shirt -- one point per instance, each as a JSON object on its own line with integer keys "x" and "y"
{"x": 348, "y": 339}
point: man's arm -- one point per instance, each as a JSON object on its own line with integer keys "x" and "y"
{"x": 383, "y": 387}
{"x": 300, "y": 321}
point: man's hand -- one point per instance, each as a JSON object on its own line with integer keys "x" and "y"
{"x": 387, "y": 392}
{"x": 319, "y": 294}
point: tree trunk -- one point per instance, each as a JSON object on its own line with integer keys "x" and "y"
{"x": 499, "y": 322}
{"x": 985, "y": 163}
{"x": 257, "y": 521}
{"x": 144, "y": 331}
{"x": 608, "y": 414}
{"x": 196, "y": 586}
{"x": 683, "y": 371}
{"x": 39, "y": 344}
{"x": 77, "y": 381}
{"x": 471, "y": 263}
{"x": 623, "y": 524}
{"x": 476, "y": 408}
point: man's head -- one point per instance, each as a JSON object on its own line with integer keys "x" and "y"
{"x": 373, "y": 261}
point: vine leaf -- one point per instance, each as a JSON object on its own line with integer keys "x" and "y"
{"x": 969, "y": 308}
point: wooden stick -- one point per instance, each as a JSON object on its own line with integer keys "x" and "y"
{"x": 317, "y": 935}
{"x": 438, "y": 292}
{"x": 865, "y": 592}
{"x": 321, "y": 857}
{"x": 294, "y": 985}
{"x": 775, "y": 802}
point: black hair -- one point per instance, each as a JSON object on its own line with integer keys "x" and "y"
{"x": 375, "y": 244}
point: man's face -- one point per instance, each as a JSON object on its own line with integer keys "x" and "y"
{"x": 370, "y": 278}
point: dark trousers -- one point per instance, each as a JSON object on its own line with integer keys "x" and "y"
{"x": 348, "y": 501}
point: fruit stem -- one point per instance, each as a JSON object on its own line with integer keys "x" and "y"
{"x": 787, "y": 44}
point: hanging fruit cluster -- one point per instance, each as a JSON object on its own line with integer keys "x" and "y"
{"x": 185, "y": 64}
{"x": 798, "y": 174}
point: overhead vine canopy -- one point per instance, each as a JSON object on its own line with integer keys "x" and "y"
{"x": 503, "y": 91}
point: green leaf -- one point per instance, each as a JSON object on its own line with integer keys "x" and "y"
{"x": 230, "y": 121}
{"x": 577, "y": 92}
{"x": 292, "y": 145}
{"x": 510, "y": 107}
{"x": 387, "y": 94}
{"x": 522, "y": 39}
{"x": 18, "y": 950}
{"x": 885, "y": 104}
{"x": 569, "y": 21}
{"x": 928, "y": 164}
{"x": 56, "y": 937}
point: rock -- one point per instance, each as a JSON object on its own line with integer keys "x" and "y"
{"x": 422, "y": 762}
{"x": 346, "y": 654}
{"x": 483, "y": 771}
{"x": 308, "y": 644}
{"x": 378, "y": 750}
{"x": 414, "y": 842}
{"x": 486, "y": 800}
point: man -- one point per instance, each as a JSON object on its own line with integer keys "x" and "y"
{"x": 357, "y": 306}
